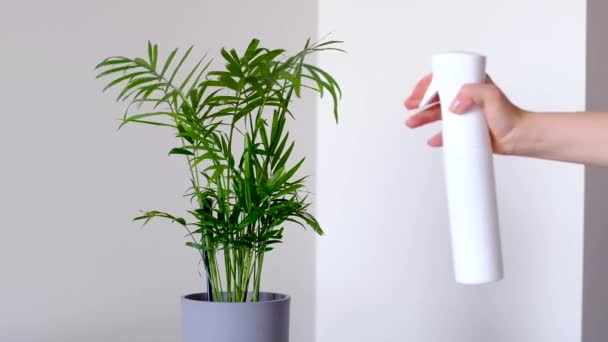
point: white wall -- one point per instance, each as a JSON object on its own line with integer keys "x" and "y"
{"x": 384, "y": 269}
{"x": 72, "y": 265}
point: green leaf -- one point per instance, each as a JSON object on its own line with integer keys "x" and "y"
{"x": 278, "y": 152}
{"x": 182, "y": 151}
{"x": 195, "y": 245}
{"x": 330, "y": 42}
{"x": 229, "y": 58}
{"x": 153, "y": 123}
{"x": 192, "y": 72}
{"x": 123, "y": 78}
{"x": 196, "y": 82}
{"x": 180, "y": 63}
{"x": 134, "y": 83}
{"x": 335, "y": 102}
{"x": 168, "y": 62}
{"x": 115, "y": 70}
{"x": 327, "y": 77}
{"x": 137, "y": 117}
{"x": 312, "y": 222}
{"x": 112, "y": 61}
{"x": 290, "y": 189}
{"x": 147, "y": 216}
{"x": 251, "y": 217}
{"x": 149, "y": 89}
{"x": 268, "y": 57}
{"x": 183, "y": 133}
{"x": 278, "y": 163}
{"x": 155, "y": 53}
{"x": 211, "y": 155}
{"x": 251, "y": 49}
{"x": 151, "y": 55}
{"x": 290, "y": 173}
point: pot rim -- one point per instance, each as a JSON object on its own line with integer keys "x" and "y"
{"x": 276, "y": 297}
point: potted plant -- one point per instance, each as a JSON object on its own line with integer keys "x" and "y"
{"x": 245, "y": 187}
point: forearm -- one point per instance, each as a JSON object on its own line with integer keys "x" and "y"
{"x": 573, "y": 137}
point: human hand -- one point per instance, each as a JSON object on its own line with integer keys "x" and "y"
{"x": 502, "y": 116}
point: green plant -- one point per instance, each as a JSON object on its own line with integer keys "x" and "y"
{"x": 242, "y": 195}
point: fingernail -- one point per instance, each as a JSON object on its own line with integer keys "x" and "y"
{"x": 408, "y": 102}
{"x": 455, "y": 106}
{"x": 408, "y": 122}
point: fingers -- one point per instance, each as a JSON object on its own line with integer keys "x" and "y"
{"x": 469, "y": 96}
{"x": 436, "y": 140}
{"x": 413, "y": 100}
{"x": 474, "y": 94}
{"x": 424, "y": 117}
{"x": 461, "y": 104}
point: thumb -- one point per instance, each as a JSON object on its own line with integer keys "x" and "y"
{"x": 474, "y": 94}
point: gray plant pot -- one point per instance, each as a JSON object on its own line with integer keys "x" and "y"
{"x": 263, "y": 321}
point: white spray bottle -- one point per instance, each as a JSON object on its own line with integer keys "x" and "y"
{"x": 469, "y": 171}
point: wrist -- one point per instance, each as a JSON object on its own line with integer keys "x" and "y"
{"x": 520, "y": 140}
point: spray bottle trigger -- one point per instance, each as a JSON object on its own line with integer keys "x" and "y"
{"x": 431, "y": 91}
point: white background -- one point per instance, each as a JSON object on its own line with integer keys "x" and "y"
{"x": 384, "y": 270}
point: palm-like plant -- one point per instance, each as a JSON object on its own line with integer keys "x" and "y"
{"x": 243, "y": 196}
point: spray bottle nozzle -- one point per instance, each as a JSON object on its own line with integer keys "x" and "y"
{"x": 431, "y": 91}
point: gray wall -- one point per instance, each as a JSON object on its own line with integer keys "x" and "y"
{"x": 73, "y": 267}
{"x": 595, "y": 274}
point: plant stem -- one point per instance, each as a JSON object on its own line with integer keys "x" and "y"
{"x": 217, "y": 287}
{"x": 258, "y": 276}
{"x": 228, "y": 263}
